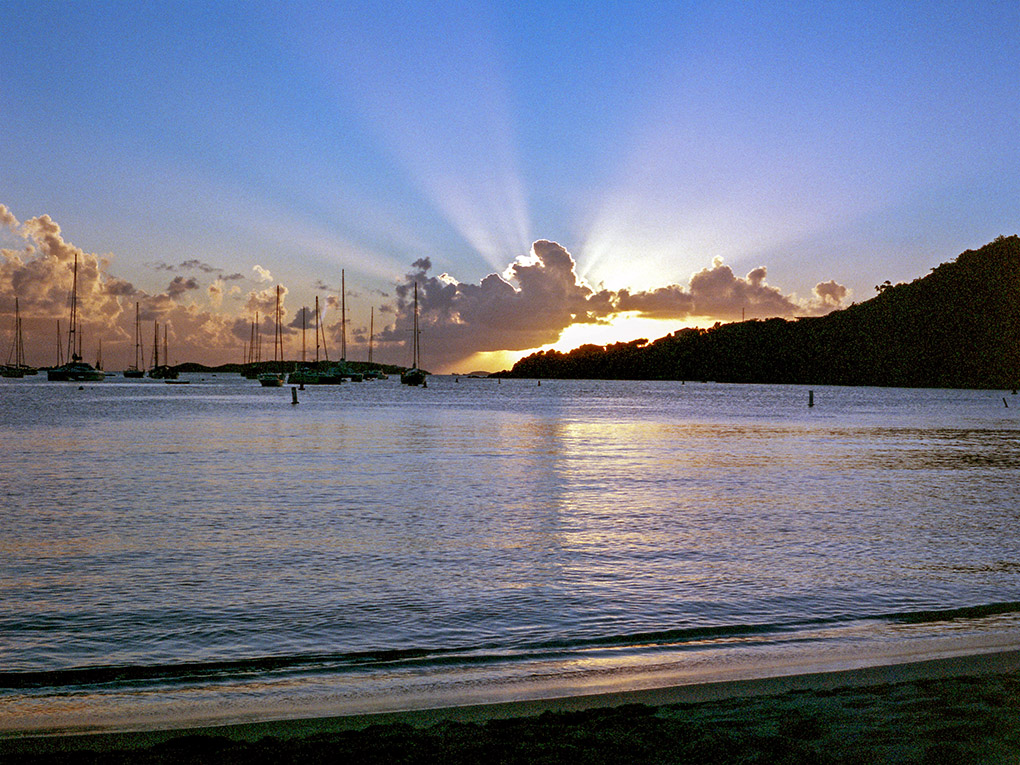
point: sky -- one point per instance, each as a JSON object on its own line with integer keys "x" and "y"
{"x": 548, "y": 174}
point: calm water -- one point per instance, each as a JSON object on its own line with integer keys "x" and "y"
{"x": 210, "y": 552}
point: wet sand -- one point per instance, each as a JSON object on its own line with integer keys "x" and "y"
{"x": 964, "y": 709}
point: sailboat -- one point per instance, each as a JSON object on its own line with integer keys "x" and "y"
{"x": 75, "y": 370}
{"x": 137, "y": 369}
{"x": 17, "y": 355}
{"x": 161, "y": 371}
{"x": 373, "y": 373}
{"x": 274, "y": 379}
{"x": 317, "y": 373}
{"x": 342, "y": 366}
{"x": 253, "y": 359}
{"x": 414, "y": 376}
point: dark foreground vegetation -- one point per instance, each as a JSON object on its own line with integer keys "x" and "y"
{"x": 957, "y": 327}
{"x": 937, "y": 721}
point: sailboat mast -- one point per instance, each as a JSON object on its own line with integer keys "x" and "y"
{"x": 316, "y": 329}
{"x": 155, "y": 344}
{"x": 278, "y": 340}
{"x": 72, "y": 347}
{"x": 166, "y": 354}
{"x": 19, "y": 343}
{"x": 138, "y": 341}
{"x": 415, "y": 343}
{"x": 304, "y": 317}
{"x": 343, "y": 317}
{"x": 371, "y": 333}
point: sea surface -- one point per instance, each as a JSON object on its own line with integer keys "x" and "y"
{"x": 213, "y": 553}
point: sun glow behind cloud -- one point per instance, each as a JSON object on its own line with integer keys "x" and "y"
{"x": 620, "y": 329}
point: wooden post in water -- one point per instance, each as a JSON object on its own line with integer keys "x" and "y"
{"x": 293, "y": 395}
{"x": 810, "y": 398}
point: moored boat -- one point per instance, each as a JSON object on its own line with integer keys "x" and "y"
{"x": 270, "y": 378}
{"x": 137, "y": 369}
{"x": 161, "y": 371}
{"x": 75, "y": 370}
{"x": 414, "y": 375}
{"x": 16, "y": 366}
{"x": 317, "y": 372}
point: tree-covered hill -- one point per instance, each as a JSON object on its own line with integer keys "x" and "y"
{"x": 957, "y": 327}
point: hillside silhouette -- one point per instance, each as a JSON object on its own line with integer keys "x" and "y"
{"x": 957, "y": 327}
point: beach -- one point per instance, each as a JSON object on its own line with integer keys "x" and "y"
{"x": 961, "y": 709}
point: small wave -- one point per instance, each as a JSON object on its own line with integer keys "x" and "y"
{"x": 345, "y": 662}
{"x": 947, "y": 614}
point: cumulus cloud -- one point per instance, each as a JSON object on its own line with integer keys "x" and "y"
{"x": 303, "y": 317}
{"x": 215, "y": 292}
{"x": 529, "y": 305}
{"x": 115, "y": 286}
{"x": 671, "y": 302}
{"x": 717, "y": 293}
{"x": 40, "y": 274}
{"x": 831, "y": 294}
{"x": 7, "y": 218}
{"x": 540, "y": 295}
{"x": 526, "y": 306}
{"x": 181, "y": 285}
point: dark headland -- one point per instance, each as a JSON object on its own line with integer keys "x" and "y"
{"x": 957, "y": 327}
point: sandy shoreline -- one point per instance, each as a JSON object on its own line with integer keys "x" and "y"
{"x": 890, "y": 706}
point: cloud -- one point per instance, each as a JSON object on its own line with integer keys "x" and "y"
{"x": 198, "y": 265}
{"x": 40, "y": 274}
{"x": 830, "y": 293}
{"x": 215, "y": 291}
{"x": 7, "y": 218}
{"x": 540, "y": 295}
{"x": 304, "y": 316}
{"x": 671, "y": 302}
{"x": 526, "y": 306}
{"x": 529, "y": 305}
{"x": 717, "y": 293}
{"x": 119, "y": 287}
{"x": 181, "y": 285}
{"x": 188, "y": 265}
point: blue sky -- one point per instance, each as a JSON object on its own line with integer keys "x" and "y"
{"x": 830, "y": 143}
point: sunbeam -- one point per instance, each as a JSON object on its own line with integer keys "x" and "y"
{"x": 452, "y": 134}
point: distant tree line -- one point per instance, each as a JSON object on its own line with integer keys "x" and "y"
{"x": 957, "y": 327}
